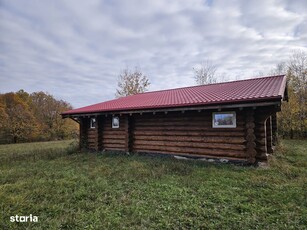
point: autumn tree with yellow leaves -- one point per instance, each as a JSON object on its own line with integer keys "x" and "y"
{"x": 293, "y": 117}
{"x": 131, "y": 82}
{"x": 33, "y": 117}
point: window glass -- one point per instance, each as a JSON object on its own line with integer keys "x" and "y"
{"x": 93, "y": 123}
{"x": 224, "y": 120}
{"x": 115, "y": 122}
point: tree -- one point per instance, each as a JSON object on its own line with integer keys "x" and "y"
{"x": 33, "y": 117}
{"x": 205, "y": 74}
{"x": 297, "y": 72}
{"x": 47, "y": 111}
{"x": 131, "y": 82}
{"x": 288, "y": 122}
{"x": 292, "y": 119}
{"x": 280, "y": 68}
{"x": 21, "y": 124}
{"x": 3, "y": 114}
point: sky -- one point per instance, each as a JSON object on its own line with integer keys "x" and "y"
{"x": 76, "y": 49}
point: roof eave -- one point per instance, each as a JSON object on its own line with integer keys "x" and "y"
{"x": 227, "y": 105}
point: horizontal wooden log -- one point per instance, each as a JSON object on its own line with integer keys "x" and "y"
{"x": 114, "y": 149}
{"x": 112, "y": 136}
{"x": 118, "y": 133}
{"x": 179, "y": 116}
{"x": 173, "y": 119}
{"x": 189, "y": 144}
{"x": 118, "y": 141}
{"x": 186, "y": 150}
{"x": 230, "y": 140}
{"x": 189, "y": 128}
{"x": 110, "y": 145}
{"x": 92, "y": 141}
{"x": 191, "y": 123}
{"x": 170, "y": 123}
{"x": 188, "y": 133}
{"x": 91, "y": 131}
{"x": 110, "y": 129}
{"x": 91, "y": 134}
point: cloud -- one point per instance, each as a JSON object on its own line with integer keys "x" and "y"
{"x": 76, "y": 49}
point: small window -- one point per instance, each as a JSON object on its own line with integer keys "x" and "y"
{"x": 93, "y": 123}
{"x": 224, "y": 120}
{"x": 115, "y": 122}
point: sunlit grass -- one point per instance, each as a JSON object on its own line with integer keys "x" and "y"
{"x": 106, "y": 191}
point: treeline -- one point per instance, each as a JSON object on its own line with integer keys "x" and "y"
{"x": 292, "y": 120}
{"x": 28, "y": 117}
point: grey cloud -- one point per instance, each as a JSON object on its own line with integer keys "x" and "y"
{"x": 76, "y": 49}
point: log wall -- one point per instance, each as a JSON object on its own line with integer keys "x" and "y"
{"x": 113, "y": 138}
{"x": 188, "y": 133}
{"x": 250, "y": 136}
{"x": 84, "y": 124}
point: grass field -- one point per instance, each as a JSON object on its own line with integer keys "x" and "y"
{"x": 70, "y": 190}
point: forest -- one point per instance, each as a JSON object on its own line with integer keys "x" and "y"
{"x": 32, "y": 117}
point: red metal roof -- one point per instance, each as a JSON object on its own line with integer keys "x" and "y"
{"x": 251, "y": 90}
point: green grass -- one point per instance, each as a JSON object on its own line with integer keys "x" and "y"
{"x": 36, "y": 150}
{"x": 105, "y": 191}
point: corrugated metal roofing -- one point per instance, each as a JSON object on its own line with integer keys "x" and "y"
{"x": 251, "y": 90}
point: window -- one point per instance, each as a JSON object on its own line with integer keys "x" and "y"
{"x": 93, "y": 123}
{"x": 115, "y": 122}
{"x": 224, "y": 120}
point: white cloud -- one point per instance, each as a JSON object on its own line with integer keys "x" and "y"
{"x": 76, "y": 49}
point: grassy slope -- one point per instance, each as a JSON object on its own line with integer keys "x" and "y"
{"x": 85, "y": 190}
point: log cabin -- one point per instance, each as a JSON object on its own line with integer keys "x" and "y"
{"x": 232, "y": 120}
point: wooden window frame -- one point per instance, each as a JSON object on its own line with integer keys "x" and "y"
{"x": 114, "y": 126}
{"x": 93, "y": 123}
{"x": 234, "y": 120}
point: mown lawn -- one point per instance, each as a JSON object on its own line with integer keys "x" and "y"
{"x": 69, "y": 190}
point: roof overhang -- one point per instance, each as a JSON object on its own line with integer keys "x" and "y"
{"x": 276, "y": 104}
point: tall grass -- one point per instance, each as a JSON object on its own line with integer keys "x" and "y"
{"x": 36, "y": 150}
{"x": 111, "y": 191}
